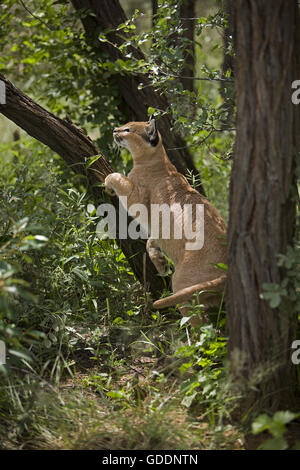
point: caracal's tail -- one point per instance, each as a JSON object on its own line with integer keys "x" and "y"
{"x": 185, "y": 294}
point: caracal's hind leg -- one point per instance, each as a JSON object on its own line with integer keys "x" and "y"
{"x": 180, "y": 280}
{"x": 157, "y": 257}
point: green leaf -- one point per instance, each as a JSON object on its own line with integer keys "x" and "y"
{"x": 21, "y": 225}
{"x": 90, "y": 208}
{"x": 184, "y": 320}
{"x": 278, "y": 443}
{"x": 93, "y": 159}
{"x": 275, "y": 300}
{"x": 151, "y": 111}
{"x": 118, "y": 321}
{"x": 19, "y": 354}
{"x": 296, "y": 446}
{"x": 261, "y": 423}
{"x": 222, "y": 266}
{"x": 285, "y": 417}
{"x": 81, "y": 274}
{"x": 188, "y": 400}
{"x": 185, "y": 366}
{"x": 116, "y": 394}
{"x": 41, "y": 238}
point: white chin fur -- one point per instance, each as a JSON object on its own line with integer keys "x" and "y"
{"x": 122, "y": 143}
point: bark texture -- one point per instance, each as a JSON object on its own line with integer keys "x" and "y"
{"x": 108, "y": 15}
{"x": 75, "y": 147}
{"x": 262, "y": 193}
{"x": 154, "y": 10}
{"x": 186, "y": 38}
{"x": 227, "y": 66}
{"x": 187, "y": 15}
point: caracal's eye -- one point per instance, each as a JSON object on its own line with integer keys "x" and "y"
{"x": 126, "y": 130}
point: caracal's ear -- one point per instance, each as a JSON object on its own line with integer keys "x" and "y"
{"x": 152, "y": 133}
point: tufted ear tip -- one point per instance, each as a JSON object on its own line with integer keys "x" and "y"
{"x": 152, "y": 131}
{"x": 152, "y": 122}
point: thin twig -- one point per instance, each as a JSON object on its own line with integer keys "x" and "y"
{"x": 198, "y": 78}
{"x": 34, "y": 16}
{"x": 195, "y": 143}
{"x": 226, "y": 80}
{"x": 203, "y": 140}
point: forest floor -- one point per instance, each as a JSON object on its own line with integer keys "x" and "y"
{"x": 142, "y": 412}
{"x": 131, "y": 399}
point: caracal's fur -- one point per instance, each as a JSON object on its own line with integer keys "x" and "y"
{"x": 154, "y": 180}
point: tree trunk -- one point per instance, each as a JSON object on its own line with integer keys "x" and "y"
{"x": 226, "y": 88}
{"x": 108, "y": 15}
{"x": 187, "y": 15}
{"x": 75, "y": 147}
{"x": 154, "y": 10}
{"x": 187, "y": 22}
{"x": 262, "y": 202}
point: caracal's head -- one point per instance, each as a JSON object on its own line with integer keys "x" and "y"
{"x": 140, "y": 138}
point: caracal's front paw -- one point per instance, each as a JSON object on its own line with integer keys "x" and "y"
{"x": 108, "y": 183}
{"x": 161, "y": 263}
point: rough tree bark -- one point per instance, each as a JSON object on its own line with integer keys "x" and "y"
{"x": 227, "y": 66}
{"x": 75, "y": 147}
{"x": 154, "y": 10}
{"x": 187, "y": 15}
{"x": 227, "y": 34}
{"x": 262, "y": 206}
{"x": 108, "y": 15}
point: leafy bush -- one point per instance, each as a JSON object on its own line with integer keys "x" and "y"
{"x": 276, "y": 426}
{"x": 55, "y": 273}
